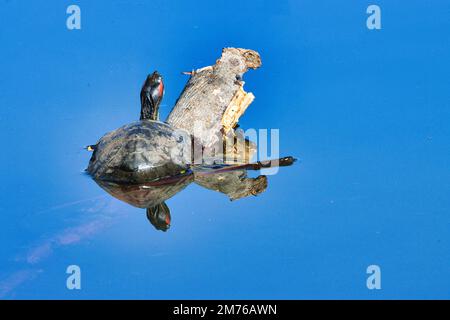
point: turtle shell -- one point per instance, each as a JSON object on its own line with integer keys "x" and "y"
{"x": 140, "y": 152}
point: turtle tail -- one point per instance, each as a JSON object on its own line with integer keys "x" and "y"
{"x": 91, "y": 147}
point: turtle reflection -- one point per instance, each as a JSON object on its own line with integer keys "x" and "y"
{"x": 152, "y": 195}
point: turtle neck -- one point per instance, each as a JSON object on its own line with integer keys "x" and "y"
{"x": 148, "y": 110}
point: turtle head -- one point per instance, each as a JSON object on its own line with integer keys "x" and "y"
{"x": 159, "y": 216}
{"x": 152, "y": 93}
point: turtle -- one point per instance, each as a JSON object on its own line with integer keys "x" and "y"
{"x": 146, "y": 162}
{"x": 142, "y": 151}
{"x": 146, "y": 155}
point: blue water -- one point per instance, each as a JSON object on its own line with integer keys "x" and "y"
{"x": 366, "y": 111}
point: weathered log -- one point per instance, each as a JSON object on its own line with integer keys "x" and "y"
{"x": 214, "y": 99}
{"x": 209, "y": 108}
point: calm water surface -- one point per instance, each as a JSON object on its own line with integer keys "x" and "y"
{"x": 366, "y": 112}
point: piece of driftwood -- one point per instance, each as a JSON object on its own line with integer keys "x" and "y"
{"x": 214, "y": 99}
{"x": 209, "y": 108}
